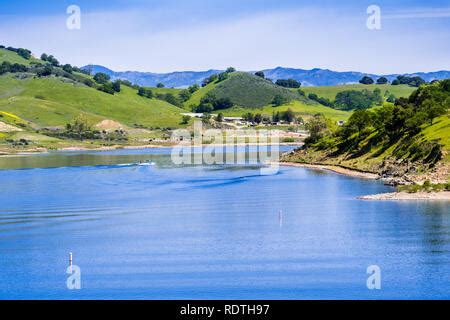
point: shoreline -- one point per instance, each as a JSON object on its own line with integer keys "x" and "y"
{"x": 39, "y": 150}
{"x": 335, "y": 169}
{"x": 389, "y": 196}
{"x": 404, "y": 196}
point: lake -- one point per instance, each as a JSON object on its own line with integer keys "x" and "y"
{"x": 153, "y": 230}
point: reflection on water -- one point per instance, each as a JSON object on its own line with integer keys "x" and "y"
{"x": 159, "y": 231}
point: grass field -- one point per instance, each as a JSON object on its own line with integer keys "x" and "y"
{"x": 54, "y": 102}
{"x": 300, "y": 108}
{"x": 440, "y": 130}
{"x": 198, "y": 95}
{"x": 166, "y": 90}
{"x": 331, "y": 91}
{"x": 12, "y": 57}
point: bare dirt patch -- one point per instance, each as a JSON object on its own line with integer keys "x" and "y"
{"x": 8, "y": 128}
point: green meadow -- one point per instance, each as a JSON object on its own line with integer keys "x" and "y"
{"x": 54, "y": 102}
{"x": 330, "y": 92}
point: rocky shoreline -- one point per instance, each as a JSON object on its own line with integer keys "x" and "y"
{"x": 442, "y": 195}
{"x": 335, "y": 169}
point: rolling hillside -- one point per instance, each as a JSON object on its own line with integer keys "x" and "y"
{"x": 247, "y": 91}
{"x": 12, "y": 57}
{"x": 407, "y": 142}
{"x": 32, "y": 105}
{"x": 54, "y": 102}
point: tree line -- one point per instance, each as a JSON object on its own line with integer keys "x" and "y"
{"x": 415, "y": 81}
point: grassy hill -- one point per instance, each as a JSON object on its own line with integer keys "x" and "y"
{"x": 54, "y": 102}
{"x": 29, "y": 103}
{"x": 409, "y": 141}
{"x": 245, "y": 90}
{"x": 330, "y": 92}
{"x": 12, "y": 57}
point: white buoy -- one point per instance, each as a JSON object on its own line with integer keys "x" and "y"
{"x": 70, "y": 258}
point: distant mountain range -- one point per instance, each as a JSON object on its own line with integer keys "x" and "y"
{"x": 314, "y": 77}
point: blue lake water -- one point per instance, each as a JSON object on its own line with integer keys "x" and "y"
{"x": 209, "y": 232}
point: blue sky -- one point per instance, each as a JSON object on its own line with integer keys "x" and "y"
{"x": 169, "y": 35}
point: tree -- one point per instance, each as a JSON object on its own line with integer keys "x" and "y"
{"x": 230, "y": 70}
{"x": 211, "y": 101}
{"x": 248, "y": 117}
{"x": 276, "y": 117}
{"x": 89, "y": 82}
{"x": 366, "y": 80}
{"x": 107, "y": 88}
{"x": 316, "y": 127}
{"x": 79, "y": 126}
{"x": 391, "y": 98}
{"x": 212, "y": 78}
{"x": 219, "y": 117}
{"x": 206, "y": 118}
{"x": 170, "y": 98}
{"x": 185, "y": 95}
{"x": 411, "y": 81}
{"x": 160, "y": 85}
{"x": 5, "y": 67}
{"x": 24, "y": 53}
{"x": 222, "y": 76}
{"x": 44, "y": 57}
{"x": 258, "y": 118}
{"x": 194, "y": 88}
{"x": 360, "y": 119}
{"x": 222, "y": 103}
{"x": 67, "y": 68}
{"x": 433, "y": 108}
{"x": 45, "y": 71}
{"x": 52, "y": 60}
{"x": 116, "y": 86}
{"x": 324, "y": 101}
{"x": 101, "y": 78}
{"x": 289, "y": 115}
{"x": 279, "y": 100}
{"x": 382, "y": 80}
{"x": 289, "y": 83}
{"x": 260, "y": 74}
{"x": 354, "y": 99}
{"x": 185, "y": 119}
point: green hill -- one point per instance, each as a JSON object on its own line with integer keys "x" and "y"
{"x": 408, "y": 141}
{"x": 12, "y": 57}
{"x": 32, "y": 107}
{"x": 245, "y": 90}
{"x": 55, "y": 101}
